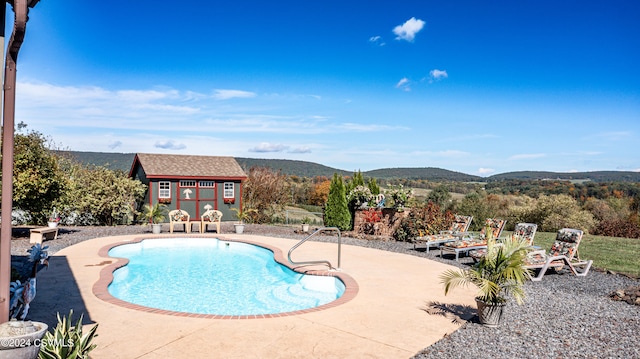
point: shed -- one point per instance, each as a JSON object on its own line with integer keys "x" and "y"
{"x": 191, "y": 183}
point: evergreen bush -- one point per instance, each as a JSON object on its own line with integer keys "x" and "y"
{"x": 336, "y": 212}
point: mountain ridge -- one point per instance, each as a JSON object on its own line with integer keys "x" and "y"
{"x": 123, "y": 161}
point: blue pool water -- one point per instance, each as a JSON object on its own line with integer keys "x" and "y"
{"x": 209, "y": 276}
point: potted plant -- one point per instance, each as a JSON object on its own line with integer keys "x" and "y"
{"x": 154, "y": 214}
{"x": 499, "y": 274}
{"x": 242, "y": 214}
{"x": 54, "y": 218}
{"x": 305, "y": 223}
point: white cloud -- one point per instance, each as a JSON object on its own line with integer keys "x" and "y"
{"x": 369, "y": 127}
{"x": 409, "y": 29}
{"x": 170, "y": 145}
{"x": 612, "y": 135}
{"x": 269, "y": 147}
{"x": 527, "y": 156}
{"x": 485, "y": 171}
{"x": 404, "y": 84}
{"x": 115, "y": 144}
{"x": 302, "y": 149}
{"x": 221, "y": 94}
{"x": 377, "y": 40}
{"x": 438, "y": 74}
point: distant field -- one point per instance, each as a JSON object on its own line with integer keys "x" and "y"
{"x": 423, "y": 192}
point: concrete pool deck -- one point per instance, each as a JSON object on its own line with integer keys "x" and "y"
{"x": 388, "y": 317}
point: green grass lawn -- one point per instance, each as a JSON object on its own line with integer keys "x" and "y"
{"x": 620, "y": 255}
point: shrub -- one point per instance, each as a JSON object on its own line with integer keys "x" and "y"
{"x": 400, "y": 196}
{"x": 619, "y": 227}
{"x": 358, "y": 196}
{"x": 267, "y": 192}
{"x": 423, "y": 220}
{"x": 560, "y": 211}
{"x": 370, "y": 217}
{"x": 336, "y": 213}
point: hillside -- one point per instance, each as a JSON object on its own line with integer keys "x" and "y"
{"x": 122, "y": 161}
{"x": 113, "y": 161}
{"x": 291, "y": 167}
{"x": 429, "y": 173}
{"x": 596, "y": 176}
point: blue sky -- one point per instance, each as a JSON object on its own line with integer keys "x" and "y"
{"x": 476, "y": 87}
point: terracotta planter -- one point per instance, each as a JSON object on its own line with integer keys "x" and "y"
{"x": 490, "y": 314}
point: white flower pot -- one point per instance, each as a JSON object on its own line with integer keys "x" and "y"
{"x": 21, "y": 339}
{"x": 305, "y": 227}
{"x": 52, "y": 224}
{"x": 156, "y": 228}
{"x": 239, "y": 228}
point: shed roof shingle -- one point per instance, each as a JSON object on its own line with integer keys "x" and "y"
{"x": 189, "y": 166}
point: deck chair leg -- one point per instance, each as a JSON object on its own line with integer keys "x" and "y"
{"x": 585, "y": 268}
{"x": 543, "y": 270}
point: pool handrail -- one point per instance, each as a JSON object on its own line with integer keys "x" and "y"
{"x": 319, "y": 261}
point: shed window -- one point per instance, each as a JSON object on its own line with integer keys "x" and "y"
{"x": 207, "y": 184}
{"x": 187, "y": 183}
{"x": 228, "y": 190}
{"x": 164, "y": 189}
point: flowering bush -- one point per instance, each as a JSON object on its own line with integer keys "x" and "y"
{"x": 372, "y": 215}
{"x": 359, "y": 196}
{"x": 399, "y": 195}
{"x": 428, "y": 219}
{"x": 54, "y": 217}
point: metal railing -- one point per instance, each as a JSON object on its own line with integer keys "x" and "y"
{"x": 319, "y": 261}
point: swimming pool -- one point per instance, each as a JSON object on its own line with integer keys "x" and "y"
{"x": 211, "y": 276}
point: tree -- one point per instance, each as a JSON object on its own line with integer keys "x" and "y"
{"x": 440, "y": 196}
{"x": 99, "y": 196}
{"x": 320, "y": 193}
{"x": 373, "y": 187}
{"x": 38, "y": 181}
{"x": 267, "y": 192}
{"x": 475, "y": 204}
{"x": 336, "y": 213}
{"x": 558, "y": 211}
{"x": 357, "y": 180}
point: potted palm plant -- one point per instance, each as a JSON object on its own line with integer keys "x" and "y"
{"x": 154, "y": 214}
{"x": 242, "y": 214}
{"x": 499, "y": 274}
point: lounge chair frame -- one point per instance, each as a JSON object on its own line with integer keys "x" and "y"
{"x": 526, "y": 231}
{"x": 468, "y": 242}
{"x": 459, "y": 225}
{"x": 563, "y": 252}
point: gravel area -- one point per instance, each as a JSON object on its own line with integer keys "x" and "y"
{"x": 563, "y": 317}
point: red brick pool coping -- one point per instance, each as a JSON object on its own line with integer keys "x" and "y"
{"x": 100, "y": 288}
